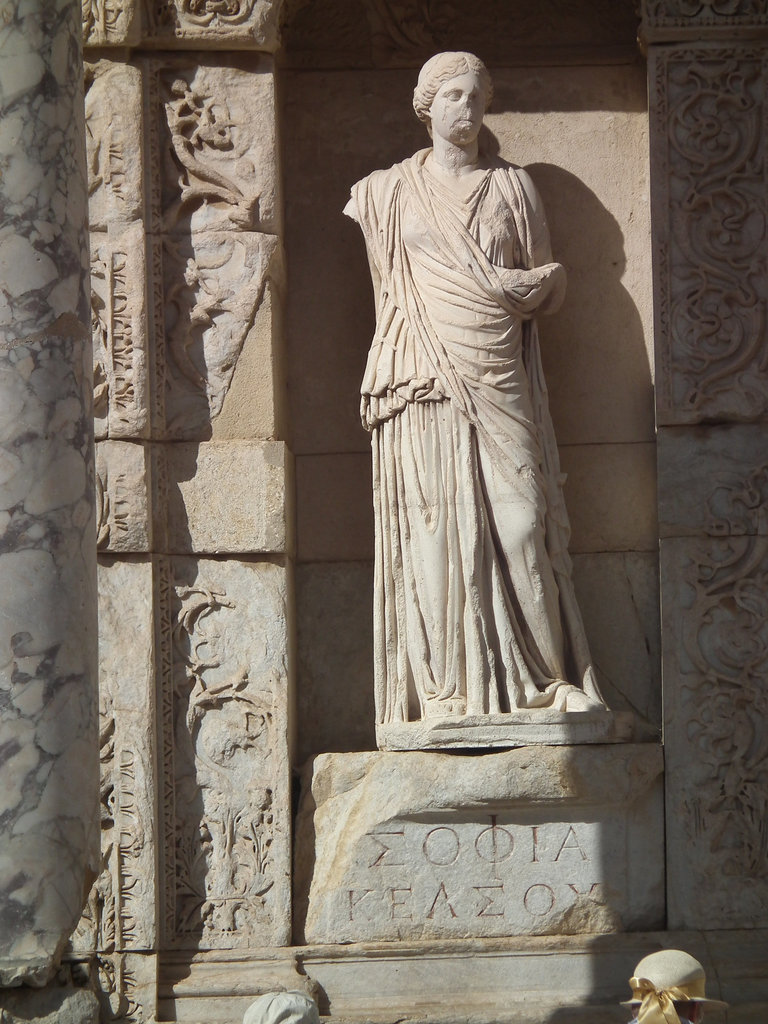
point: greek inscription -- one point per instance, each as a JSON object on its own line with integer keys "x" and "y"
{"x": 593, "y": 893}
{"x": 495, "y": 844}
{"x": 571, "y": 843}
{"x": 441, "y": 901}
{"x": 535, "y": 836}
{"x": 539, "y": 899}
{"x": 383, "y": 858}
{"x": 399, "y": 899}
{"x": 441, "y": 846}
{"x": 489, "y": 901}
{"x": 354, "y": 900}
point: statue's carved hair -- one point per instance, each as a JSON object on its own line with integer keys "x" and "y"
{"x": 441, "y": 69}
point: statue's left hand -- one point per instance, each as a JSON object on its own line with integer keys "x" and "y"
{"x": 539, "y": 290}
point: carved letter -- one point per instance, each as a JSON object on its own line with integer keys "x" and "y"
{"x": 353, "y": 901}
{"x": 441, "y": 849}
{"x": 495, "y": 844}
{"x": 440, "y": 893}
{"x": 489, "y": 900}
{"x": 382, "y": 857}
{"x": 568, "y": 845}
{"x": 539, "y": 900}
{"x": 535, "y": 834}
{"x": 399, "y": 903}
{"x": 593, "y": 887}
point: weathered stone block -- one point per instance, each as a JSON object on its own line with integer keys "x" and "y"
{"x": 534, "y": 841}
{"x": 121, "y": 910}
{"x": 123, "y": 520}
{"x": 713, "y": 480}
{"x": 225, "y": 801}
{"x": 110, "y": 22}
{"x": 114, "y": 137}
{"x": 610, "y": 493}
{"x": 228, "y": 496}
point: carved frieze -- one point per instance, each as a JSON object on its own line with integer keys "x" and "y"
{"x": 711, "y": 203}
{"x": 225, "y": 802}
{"x": 404, "y": 33}
{"x": 715, "y": 601}
{"x": 120, "y": 911}
{"x": 123, "y": 521}
{"x": 114, "y": 143}
{"x": 236, "y": 24}
{"x": 126, "y": 985}
{"x": 698, "y": 14}
{"x": 110, "y": 22}
{"x": 119, "y": 330}
{"x": 213, "y": 137}
{"x": 213, "y": 284}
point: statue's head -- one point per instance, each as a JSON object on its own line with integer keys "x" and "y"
{"x": 442, "y": 69}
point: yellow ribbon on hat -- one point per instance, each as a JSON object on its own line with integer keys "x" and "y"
{"x": 657, "y": 1004}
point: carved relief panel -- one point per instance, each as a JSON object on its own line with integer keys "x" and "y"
{"x": 237, "y": 24}
{"x": 212, "y": 139}
{"x": 715, "y": 599}
{"x": 115, "y": 150}
{"x": 225, "y": 801}
{"x": 120, "y": 913}
{"x": 711, "y": 203}
{"x": 110, "y": 22}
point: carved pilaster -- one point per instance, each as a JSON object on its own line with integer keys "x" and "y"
{"x": 225, "y": 800}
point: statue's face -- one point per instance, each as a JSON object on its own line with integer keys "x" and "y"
{"x": 457, "y": 109}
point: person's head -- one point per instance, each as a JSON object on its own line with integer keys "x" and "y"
{"x": 669, "y": 981}
{"x": 282, "y": 1008}
{"x": 453, "y": 92}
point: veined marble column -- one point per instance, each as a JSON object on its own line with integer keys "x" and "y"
{"x": 48, "y": 698}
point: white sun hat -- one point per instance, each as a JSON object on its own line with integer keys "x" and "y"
{"x": 664, "y": 978}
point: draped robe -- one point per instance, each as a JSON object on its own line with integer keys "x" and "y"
{"x": 474, "y": 610}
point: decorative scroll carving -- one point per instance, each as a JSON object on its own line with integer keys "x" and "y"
{"x": 213, "y": 133}
{"x": 726, "y": 634}
{"x": 248, "y": 24}
{"x": 688, "y": 13}
{"x": 201, "y": 133}
{"x": 213, "y": 289}
{"x": 225, "y": 748}
{"x": 739, "y": 506}
{"x": 710, "y": 157}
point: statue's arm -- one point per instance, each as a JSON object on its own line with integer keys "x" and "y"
{"x": 541, "y": 248}
{"x": 537, "y": 218}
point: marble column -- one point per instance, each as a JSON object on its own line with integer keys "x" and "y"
{"x": 49, "y": 827}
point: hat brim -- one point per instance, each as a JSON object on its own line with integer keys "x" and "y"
{"x": 712, "y": 1004}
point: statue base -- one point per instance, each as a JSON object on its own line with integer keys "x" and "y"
{"x": 419, "y": 845}
{"x": 520, "y": 728}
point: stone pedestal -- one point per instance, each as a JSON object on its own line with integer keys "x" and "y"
{"x": 506, "y": 731}
{"x": 541, "y": 840}
{"x": 48, "y": 733}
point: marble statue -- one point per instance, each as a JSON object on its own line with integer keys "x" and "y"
{"x": 475, "y": 613}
